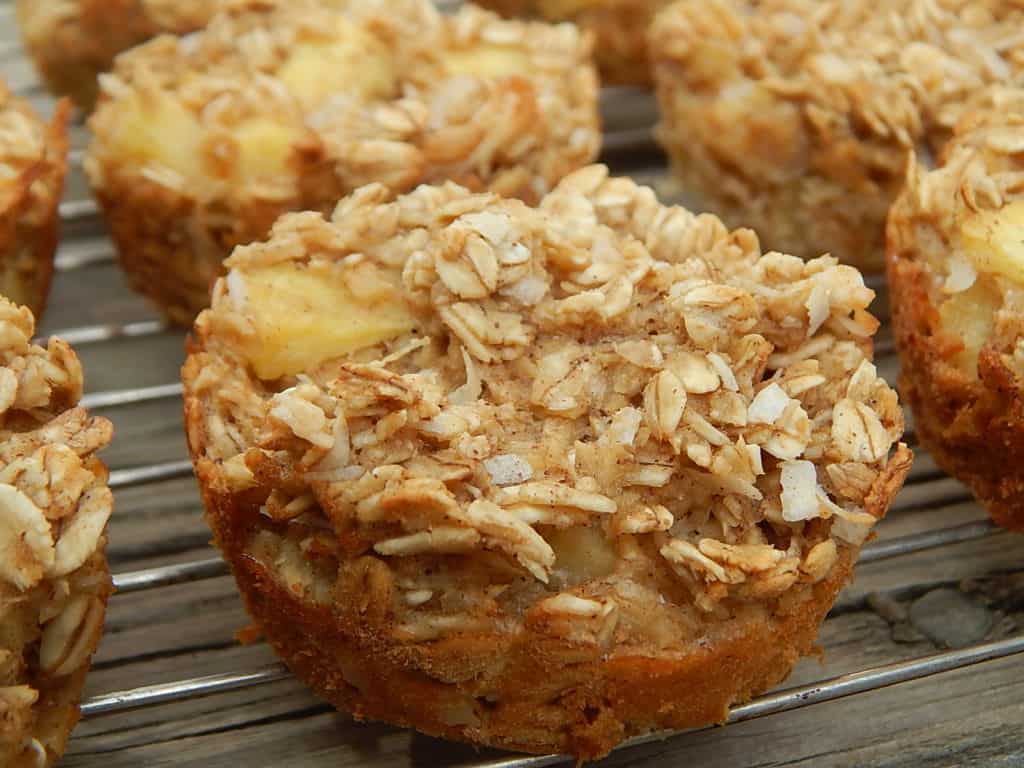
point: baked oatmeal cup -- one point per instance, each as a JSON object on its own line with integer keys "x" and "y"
{"x": 33, "y": 161}
{"x": 795, "y": 117}
{"x": 956, "y": 280}
{"x": 200, "y": 143}
{"x": 72, "y": 42}
{"x": 619, "y": 28}
{"x": 537, "y": 478}
{"x": 54, "y": 506}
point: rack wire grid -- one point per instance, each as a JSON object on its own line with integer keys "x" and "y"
{"x": 177, "y": 615}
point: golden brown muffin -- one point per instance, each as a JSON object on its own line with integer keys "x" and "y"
{"x": 54, "y": 506}
{"x": 619, "y": 28}
{"x": 795, "y": 117}
{"x": 74, "y": 41}
{"x": 33, "y": 161}
{"x": 537, "y": 478}
{"x": 202, "y": 142}
{"x": 956, "y": 278}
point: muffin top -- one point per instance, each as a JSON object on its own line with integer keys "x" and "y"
{"x": 276, "y": 100}
{"x": 54, "y": 506}
{"x": 28, "y": 150}
{"x": 898, "y": 72}
{"x": 600, "y": 418}
{"x": 963, "y": 225}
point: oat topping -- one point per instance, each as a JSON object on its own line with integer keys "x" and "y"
{"x": 660, "y": 412}
{"x": 54, "y": 506}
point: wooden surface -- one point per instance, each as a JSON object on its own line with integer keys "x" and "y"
{"x": 971, "y": 717}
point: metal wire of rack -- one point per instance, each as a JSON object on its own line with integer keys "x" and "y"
{"x": 620, "y": 141}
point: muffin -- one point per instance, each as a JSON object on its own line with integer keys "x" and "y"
{"x": 33, "y": 161}
{"x": 795, "y": 117}
{"x": 73, "y": 41}
{"x": 200, "y": 143}
{"x": 537, "y": 478}
{"x": 619, "y": 28}
{"x": 54, "y": 506}
{"x": 956, "y": 278}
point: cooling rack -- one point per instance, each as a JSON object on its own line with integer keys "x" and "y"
{"x": 170, "y": 685}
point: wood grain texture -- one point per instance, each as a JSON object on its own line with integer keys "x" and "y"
{"x": 970, "y": 717}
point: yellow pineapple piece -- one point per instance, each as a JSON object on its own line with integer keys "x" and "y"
{"x": 264, "y": 147}
{"x": 970, "y": 315}
{"x": 584, "y": 552}
{"x": 351, "y": 61}
{"x": 155, "y": 128}
{"x": 490, "y": 60}
{"x": 303, "y": 316}
{"x": 994, "y": 241}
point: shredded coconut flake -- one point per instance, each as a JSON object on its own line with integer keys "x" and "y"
{"x": 851, "y": 531}
{"x": 508, "y": 469}
{"x": 799, "y": 491}
{"x": 768, "y": 405}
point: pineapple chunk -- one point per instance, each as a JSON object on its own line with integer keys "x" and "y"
{"x": 994, "y": 241}
{"x": 155, "y": 128}
{"x": 583, "y": 552}
{"x": 264, "y": 147}
{"x": 487, "y": 61}
{"x": 351, "y": 61}
{"x": 970, "y": 316}
{"x": 303, "y": 316}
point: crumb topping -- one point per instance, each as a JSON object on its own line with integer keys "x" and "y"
{"x": 611, "y": 420}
